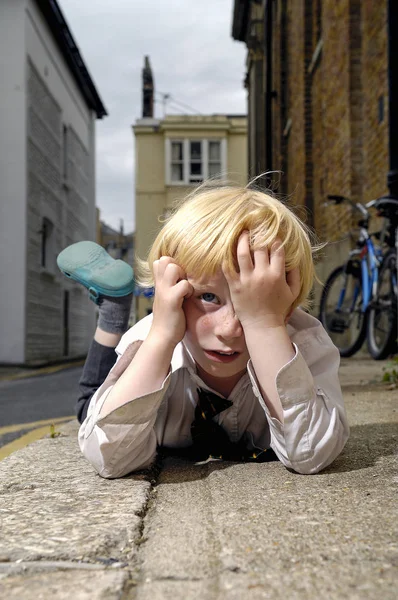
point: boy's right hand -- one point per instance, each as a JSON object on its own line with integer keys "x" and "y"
{"x": 171, "y": 288}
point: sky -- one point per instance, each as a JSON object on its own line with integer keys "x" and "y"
{"x": 193, "y": 58}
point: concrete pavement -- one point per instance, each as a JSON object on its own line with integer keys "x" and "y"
{"x": 214, "y": 531}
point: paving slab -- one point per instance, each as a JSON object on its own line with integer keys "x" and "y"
{"x": 53, "y": 506}
{"x": 225, "y": 530}
{"x": 203, "y": 589}
{"x": 360, "y": 373}
{"x": 64, "y": 585}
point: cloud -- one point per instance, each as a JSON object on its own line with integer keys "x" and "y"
{"x": 193, "y": 58}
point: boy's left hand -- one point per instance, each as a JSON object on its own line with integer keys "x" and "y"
{"x": 262, "y": 292}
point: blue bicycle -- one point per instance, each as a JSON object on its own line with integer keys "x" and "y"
{"x": 359, "y": 299}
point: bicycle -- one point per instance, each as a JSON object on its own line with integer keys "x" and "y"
{"x": 359, "y": 298}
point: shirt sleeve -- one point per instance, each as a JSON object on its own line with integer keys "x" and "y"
{"x": 124, "y": 440}
{"x": 315, "y": 427}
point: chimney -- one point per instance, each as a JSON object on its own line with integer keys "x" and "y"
{"x": 147, "y": 89}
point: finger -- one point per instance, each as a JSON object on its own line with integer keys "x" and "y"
{"x": 243, "y": 255}
{"x": 184, "y": 289}
{"x": 293, "y": 281}
{"x": 230, "y": 274}
{"x": 261, "y": 258}
{"x": 277, "y": 257}
{"x": 163, "y": 261}
{"x": 155, "y": 269}
{"x": 173, "y": 273}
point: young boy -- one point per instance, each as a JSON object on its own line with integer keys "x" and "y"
{"x": 227, "y": 365}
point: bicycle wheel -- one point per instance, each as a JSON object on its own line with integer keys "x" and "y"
{"x": 341, "y": 309}
{"x": 382, "y": 318}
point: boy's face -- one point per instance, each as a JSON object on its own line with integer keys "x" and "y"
{"x": 214, "y": 336}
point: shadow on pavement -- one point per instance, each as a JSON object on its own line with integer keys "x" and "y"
{"x": 367, "y": 444}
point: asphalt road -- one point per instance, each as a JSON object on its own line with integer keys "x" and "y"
{"x": 28, "y": 401}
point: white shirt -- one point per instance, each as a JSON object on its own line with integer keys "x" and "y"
{"x": 313, "y": 434}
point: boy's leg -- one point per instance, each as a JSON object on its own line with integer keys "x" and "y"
{"x": 110, "y": 284}
{"x": 100, "y": 360}
{"x": 112, "y": 324}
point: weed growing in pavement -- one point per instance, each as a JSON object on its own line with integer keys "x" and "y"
{"x": 53, "y": 432}
{"x": 391, "y": 373}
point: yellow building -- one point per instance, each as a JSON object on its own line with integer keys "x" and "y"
{"x": 175, "y": 154}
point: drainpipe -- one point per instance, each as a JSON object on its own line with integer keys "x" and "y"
{"x": 268, "y": 85}
{"x": 392, "y": 177}
{"x": 392, "y": 24}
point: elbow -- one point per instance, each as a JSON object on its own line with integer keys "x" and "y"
{"x": 113, "y": 465}
{"x": 307, "y": 468}
{"x": 321, "y": 457}
{"x": 115, "y": 471}
{"x": 114, "y": 456}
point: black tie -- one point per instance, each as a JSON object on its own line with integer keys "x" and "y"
{"x": 210, "y": 440}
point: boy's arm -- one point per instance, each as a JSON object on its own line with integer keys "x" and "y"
{"x": 299, "y": 391}
{"x": 315, "y": 428}
{"x": 125, "y": 439}
{"x": 147, "y": 372}
{"x": 118, "y": 435}
{"x": 262, "y": 295}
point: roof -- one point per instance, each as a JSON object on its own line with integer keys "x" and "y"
{"x": 67, "y": 45}
{"x": 239, "y": 19}
{"x": 196, "y": 125}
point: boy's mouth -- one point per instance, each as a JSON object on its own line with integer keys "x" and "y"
{"x": 222, "y": 357}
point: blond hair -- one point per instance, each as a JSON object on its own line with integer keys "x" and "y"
{"x": 203, "y": 232}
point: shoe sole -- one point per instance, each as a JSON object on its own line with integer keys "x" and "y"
{"x": 90, "y": 265}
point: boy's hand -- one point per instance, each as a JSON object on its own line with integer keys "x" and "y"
{"x": 171, "y": 288}
{"x": 262, "y": 293}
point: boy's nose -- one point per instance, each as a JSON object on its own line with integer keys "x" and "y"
{"x": 228, "y": 325}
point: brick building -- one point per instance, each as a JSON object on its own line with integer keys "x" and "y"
{"x": 318, "y": 95}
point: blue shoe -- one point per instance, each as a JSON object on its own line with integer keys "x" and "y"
{"x": 90, "y": 264}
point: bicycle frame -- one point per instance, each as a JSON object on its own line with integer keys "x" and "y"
{"x": 370, "y": 264}
{"x": 365, "y": 285}
{"x": 370, "y": 258}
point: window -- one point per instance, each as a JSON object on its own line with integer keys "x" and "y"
{"x": 214, "y": 158}
{"x": 195, "y": 162}
{"x": 47, "y": 254}
{"x": 192, "y": 161}
{"x": 177, "y": 163}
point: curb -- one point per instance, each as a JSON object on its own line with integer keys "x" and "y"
{"x": 41, "y": 371}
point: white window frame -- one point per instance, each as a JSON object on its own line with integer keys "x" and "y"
{"x": 186, "y": 159}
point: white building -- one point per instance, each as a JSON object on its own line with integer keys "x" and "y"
{"x": 48, "y": 109}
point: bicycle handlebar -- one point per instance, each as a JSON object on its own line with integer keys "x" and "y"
{"x": 337, "y": 199}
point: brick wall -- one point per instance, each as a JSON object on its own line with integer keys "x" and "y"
{"x": 330, "y": 82}
{"x": 295, "y": 150}
{"x": 375, "y": 89}
{"x": 329, "y": 109}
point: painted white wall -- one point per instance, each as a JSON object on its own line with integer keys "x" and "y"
{"x": 12, "y": 180}
{"x": 24, "y": 36}
{"x": 49, "y": 62}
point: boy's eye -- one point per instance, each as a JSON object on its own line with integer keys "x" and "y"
{"x": 208, "y": 297}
